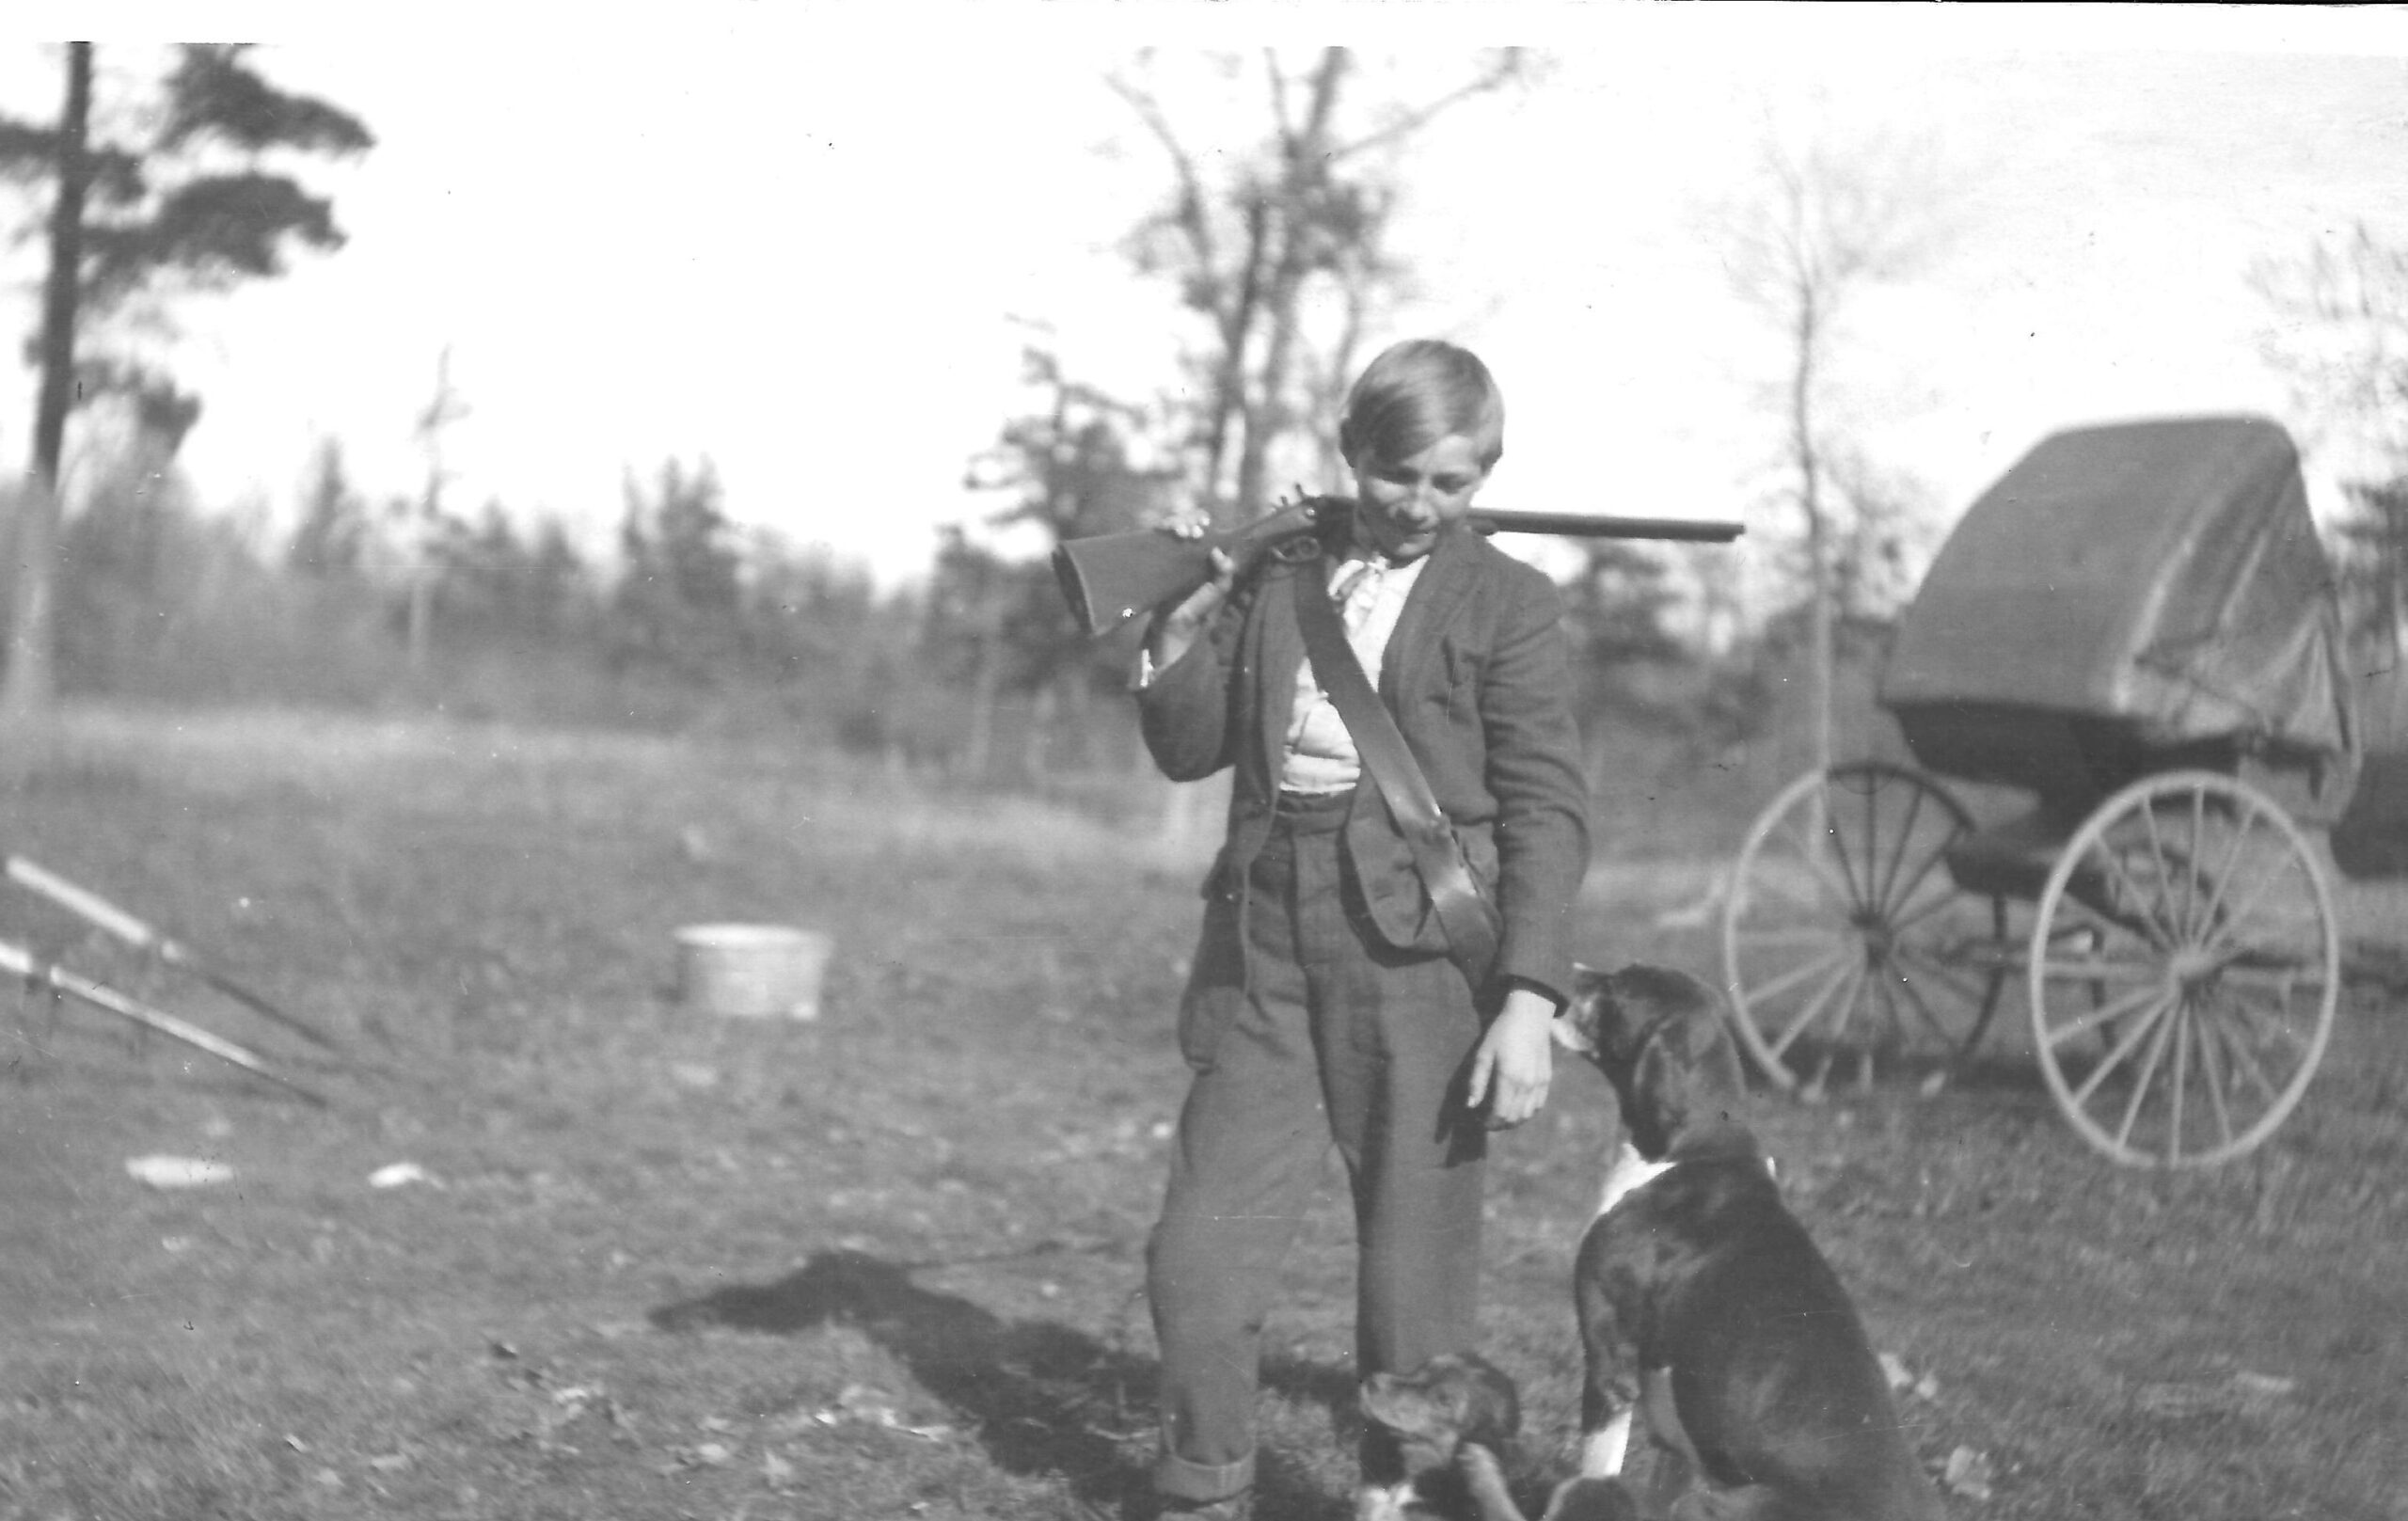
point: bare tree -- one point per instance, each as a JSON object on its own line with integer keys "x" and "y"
{"x": 29, "y": 678}
{"x": 1819, "y": 226}
{"x": 1074, "y": 465}
{"x": 1884, "y": 529}
{"x": 1281, "y": 247}
{"x": 2340, "y": 334}
{"x": 428, "y": 520}
{"x": 2372, "y": 565}
{"x": 1297, "y": 220}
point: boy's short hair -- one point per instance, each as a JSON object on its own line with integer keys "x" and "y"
{"x": 1418, "y": 392}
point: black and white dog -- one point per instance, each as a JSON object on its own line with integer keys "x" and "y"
{"x": 1702, "y": 1300}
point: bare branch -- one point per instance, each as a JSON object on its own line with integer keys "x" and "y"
{"x": 1820, "y": 227}
{"x": 1507, "y": 67}
{"x": 1278, "y": 82}
{"x": 2341, "y": 338}
{"x": 1278, "y": 253}
{"x": 1191, "y": 216}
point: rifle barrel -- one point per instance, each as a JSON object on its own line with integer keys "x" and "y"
{"x": 1108, "y": 579}
{"x": 1603, "y": 526}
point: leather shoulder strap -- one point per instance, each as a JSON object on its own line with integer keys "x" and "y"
{"x": 1467, "y": 918}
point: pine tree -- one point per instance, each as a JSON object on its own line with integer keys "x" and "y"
{"x": 188, "y": 206}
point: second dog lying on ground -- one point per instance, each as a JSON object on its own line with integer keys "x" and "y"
{"x": 1451, "y": 1417}
{"x": 1451, "y": 1406}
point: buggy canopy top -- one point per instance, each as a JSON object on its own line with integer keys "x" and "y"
{"x": 2161, "y": 580}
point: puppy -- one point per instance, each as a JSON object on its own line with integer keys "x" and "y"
{"x": 1451, "y": 1417}
{"x": 1703, "y": 1300}
{"x": 1436, "y": 1413}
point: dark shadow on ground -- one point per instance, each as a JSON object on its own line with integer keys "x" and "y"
{"x": 1331, "y": 1385}
{"x": 2001, "y": 1072}
{"x": 1044, "y": 1397}
{"x": 1985, "y": 1070}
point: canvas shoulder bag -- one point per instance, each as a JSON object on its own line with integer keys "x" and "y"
{"x": 1471, "y": 922}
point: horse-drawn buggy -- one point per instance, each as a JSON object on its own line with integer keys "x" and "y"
{"x": 2136, "y": 633}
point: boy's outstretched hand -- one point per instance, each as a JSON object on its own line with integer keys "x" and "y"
{"x": 1516, "y": 1061}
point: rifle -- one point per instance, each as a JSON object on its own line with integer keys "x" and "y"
{"x": 1111, "y": 578}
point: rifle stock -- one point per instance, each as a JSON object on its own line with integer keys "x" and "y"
{"x": 1111, "y": 578}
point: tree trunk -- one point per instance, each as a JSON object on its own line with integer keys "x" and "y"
{"x": 441, "y": 412}
{"x": 986, "y": 683}
{"x": 1229, "y": 402}
{"x": 1821, "y": 653}
{"x": 1301, "y": 185}
{"x": 26, "y": 691}
{"x": 1078, "y": 704}
{"x": 1036, "y": 743}
{"x": 419, "y": 633}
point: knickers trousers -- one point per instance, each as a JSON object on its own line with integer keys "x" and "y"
{"x": 1340, "y": 1038}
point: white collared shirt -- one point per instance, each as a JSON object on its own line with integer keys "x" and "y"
{"x": 1319, "y": 754}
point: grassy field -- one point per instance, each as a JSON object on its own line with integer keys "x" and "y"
{"x": 885, "y": 1263}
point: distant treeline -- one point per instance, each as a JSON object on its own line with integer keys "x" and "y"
{"x": 699, "y": 624}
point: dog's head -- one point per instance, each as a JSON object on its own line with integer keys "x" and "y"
{"x": 1454, "y": 1399}
{"x": 1661, "y": 1039}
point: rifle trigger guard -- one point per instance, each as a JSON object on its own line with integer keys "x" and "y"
{"x": 1301, "y": 550}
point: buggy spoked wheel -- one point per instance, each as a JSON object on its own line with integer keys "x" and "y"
{"x": 2184, "y": 967}
{"x": 1844, "y": 934}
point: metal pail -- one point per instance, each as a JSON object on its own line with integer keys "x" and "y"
{"x": 751, "y": 970}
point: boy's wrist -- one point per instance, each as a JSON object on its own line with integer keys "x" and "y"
{"x": 1527, "y": 1000}
{"x": 1539, "y": 991}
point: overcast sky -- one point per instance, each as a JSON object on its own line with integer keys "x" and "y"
{"x": 803, "y": 239}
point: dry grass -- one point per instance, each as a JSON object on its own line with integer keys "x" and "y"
{"x": 884, "y": 1263}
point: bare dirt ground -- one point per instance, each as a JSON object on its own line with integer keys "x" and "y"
{"x": 886, "y": 1263}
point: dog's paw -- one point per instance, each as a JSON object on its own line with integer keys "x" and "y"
{"x": 1479, "y": 1465}
{"x": 1591, "y": 1499}
{"x": 1483, "y": 1477}
{"x": 1382, "y": 1502}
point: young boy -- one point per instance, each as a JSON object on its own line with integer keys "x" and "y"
{"x": 1322, "y": 1004}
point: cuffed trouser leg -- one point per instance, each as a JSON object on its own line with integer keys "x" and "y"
{"x": 1338, "y": 1038}
{"x": 1248, "y": 1155}
{"x": 1250, "y": 1143}
{"x": 1397, "y": 1034}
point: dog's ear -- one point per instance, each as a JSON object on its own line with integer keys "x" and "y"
{"x": 1492, "y": 1406}
{"x": 1713, "y": 1055}
{"x": 1378, "y": 1397}
{"x": 1664, "y": 1111}
{"x": 1575, "y": 1025}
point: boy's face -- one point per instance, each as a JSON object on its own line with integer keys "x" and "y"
{"x": 1402, "y": 504}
